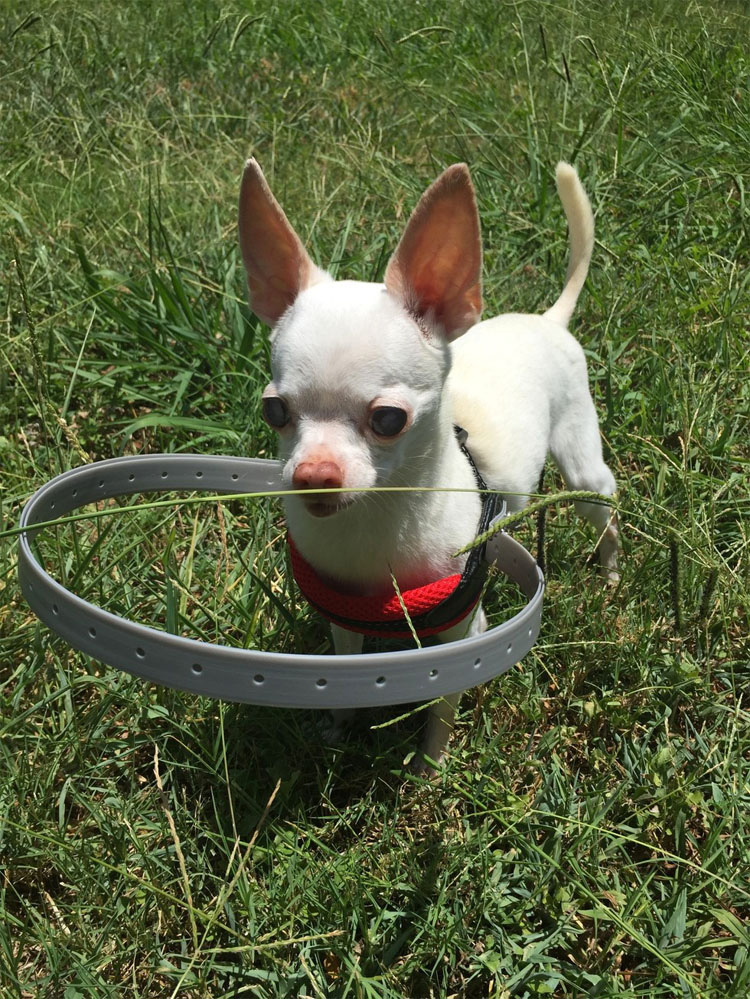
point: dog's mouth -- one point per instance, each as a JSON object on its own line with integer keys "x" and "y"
{"x": 326, "y": 506}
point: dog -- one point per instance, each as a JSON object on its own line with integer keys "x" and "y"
{"x": 369, "y": 380}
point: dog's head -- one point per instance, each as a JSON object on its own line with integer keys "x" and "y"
{"x": 359, "y": 368}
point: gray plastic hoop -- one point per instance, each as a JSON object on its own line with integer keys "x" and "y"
{"x": 267, "y": 678}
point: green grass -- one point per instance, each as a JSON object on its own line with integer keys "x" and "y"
{"x": 589, "y": 835}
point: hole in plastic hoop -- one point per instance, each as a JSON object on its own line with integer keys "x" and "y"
{"x": 322, "y": 682}
{"x": 259, "y": 679}
{"x": 197, "y": 668}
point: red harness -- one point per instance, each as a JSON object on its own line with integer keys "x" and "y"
{"x": 431, "y": 608}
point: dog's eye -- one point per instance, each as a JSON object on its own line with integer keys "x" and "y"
{"x": 388, "y": 421}
{"x": 275, "y": 412}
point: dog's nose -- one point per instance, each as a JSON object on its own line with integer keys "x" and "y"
{"x": 317, "y": 475}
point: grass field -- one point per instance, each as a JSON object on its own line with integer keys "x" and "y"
{"x": 589, "y": 833}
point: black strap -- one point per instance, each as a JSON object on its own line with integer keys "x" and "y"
{"x": 475, "y": 570}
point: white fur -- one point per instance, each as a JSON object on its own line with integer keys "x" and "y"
{"x": 516, "y": 383}
{"x": 329, "y": 366}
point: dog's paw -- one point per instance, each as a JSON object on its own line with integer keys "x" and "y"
{"x": 420, "y": 764}
{"x": 607, "y": 551}
{"x": 608, "y": 570}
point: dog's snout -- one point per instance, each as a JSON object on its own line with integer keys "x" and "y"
{"x": 317, "y": 475}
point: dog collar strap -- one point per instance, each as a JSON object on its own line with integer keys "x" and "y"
{"x": 269, "y": 678}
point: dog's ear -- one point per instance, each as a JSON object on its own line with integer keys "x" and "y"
{"x": 436, "y": 271}
{"x": 278, "y": 267}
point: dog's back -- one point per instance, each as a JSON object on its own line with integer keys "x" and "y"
{"x": 519, "y": 386}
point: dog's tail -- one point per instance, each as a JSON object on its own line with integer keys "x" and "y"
{"x": 580, "y": 218}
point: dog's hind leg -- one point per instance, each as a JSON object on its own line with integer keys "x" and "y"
{"x": 577, "y": 449}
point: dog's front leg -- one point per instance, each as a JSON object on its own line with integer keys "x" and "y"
{"x": 345, "y": 643}
{"x": 442, "y": 715}
{"x": 440, "y": 722}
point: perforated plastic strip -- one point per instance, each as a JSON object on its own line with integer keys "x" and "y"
{"x": 270, "y": 678}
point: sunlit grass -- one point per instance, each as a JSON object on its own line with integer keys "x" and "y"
{"x": 588, "y": 836}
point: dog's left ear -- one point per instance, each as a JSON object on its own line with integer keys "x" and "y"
{"x": 436, "y": 271}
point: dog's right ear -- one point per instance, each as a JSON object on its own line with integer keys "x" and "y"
{"x": 277, "y": 264}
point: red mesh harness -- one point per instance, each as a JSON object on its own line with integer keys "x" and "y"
{"x": 430, "y": 609}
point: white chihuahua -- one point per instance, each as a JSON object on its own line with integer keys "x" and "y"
{"x": 368, "y": 384}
